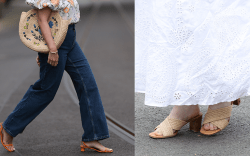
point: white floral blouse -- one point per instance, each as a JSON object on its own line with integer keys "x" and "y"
{"x": 67, "y": 8}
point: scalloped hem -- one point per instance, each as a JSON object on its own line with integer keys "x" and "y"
{"x": 158, "y": 104}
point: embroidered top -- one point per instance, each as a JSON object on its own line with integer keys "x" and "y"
{"x": 67, "y": 8}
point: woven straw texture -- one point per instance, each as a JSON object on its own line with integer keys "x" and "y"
{"x": 218, "y": 116}
{"x": 30, "y": 32}
{"x": 166, "y": 127}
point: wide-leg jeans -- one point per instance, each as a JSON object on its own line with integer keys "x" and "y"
{"x": 39, "y": 95}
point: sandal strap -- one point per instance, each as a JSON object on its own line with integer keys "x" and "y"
{"x": 166, "y": 127}
{"x": 82, "y": 146}
{"x": 176, "y": 123}
{"x": 86, "y": 146}
{"x": 1, "y": 135}
{"x": 218, "y": 116}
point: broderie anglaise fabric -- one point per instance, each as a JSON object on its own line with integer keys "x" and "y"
{"x": 67, "y": 8}
{"x": 192, "y": 52}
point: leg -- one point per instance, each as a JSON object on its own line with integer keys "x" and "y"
{"x": 184, "y": 112}
{"x": 92, "y": 112}
{"x": 36, "y": 98}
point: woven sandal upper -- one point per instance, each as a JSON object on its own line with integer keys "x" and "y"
{"x": 166, "y": 127}
{"x": 218, "y": 116}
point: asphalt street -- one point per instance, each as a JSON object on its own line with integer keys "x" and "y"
{"x": 231, "y": 141}
{"x": 108, "y": 43}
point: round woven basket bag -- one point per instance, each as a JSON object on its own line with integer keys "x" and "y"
{"x": 31, "y": 35}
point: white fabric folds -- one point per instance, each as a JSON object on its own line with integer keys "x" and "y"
{"x": 192, "y": 52}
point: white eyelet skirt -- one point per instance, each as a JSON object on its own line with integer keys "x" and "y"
{"x": 190, "y": 52}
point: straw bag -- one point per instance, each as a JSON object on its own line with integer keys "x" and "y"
{"x": 30, "y": 32}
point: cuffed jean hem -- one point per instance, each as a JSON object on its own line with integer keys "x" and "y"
{"x": 97, "y": 138}
{"x": 8, "y": 131}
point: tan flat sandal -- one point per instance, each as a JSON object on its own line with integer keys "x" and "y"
{"x": 218, "y": 118}
{"x": 84, "y": 146}
{"x": 167, "y": 127}
{"x": 1, "y": 135}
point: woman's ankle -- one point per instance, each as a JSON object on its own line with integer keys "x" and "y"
{"x": 184, "y": 112}
{"x": 7, "y": 135}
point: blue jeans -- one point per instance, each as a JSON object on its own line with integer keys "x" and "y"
{"x": 39, "y": 95}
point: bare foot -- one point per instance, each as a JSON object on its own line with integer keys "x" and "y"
{"x": 97, "y": 145}
{"x": 182, "y": 113}
{"x": 210, "y": 126}
{"x": 8, "y": 139}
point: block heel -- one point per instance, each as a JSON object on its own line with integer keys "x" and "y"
{"x": 195, "y": 124}
{"x": 236, "y": 102}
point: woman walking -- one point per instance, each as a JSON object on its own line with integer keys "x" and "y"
{"x": 191, "y": 53}
{"x": 68, "y": 57}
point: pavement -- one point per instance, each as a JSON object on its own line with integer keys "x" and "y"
{"x": 108, "y": 43}
{"x": 231, "y": 141}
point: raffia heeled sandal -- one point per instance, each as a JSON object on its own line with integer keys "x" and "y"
{"x": 1, "y": 134}
{"x": 218, "y": 117}
{"x": 107, "y": 150}
{"x": 167, "y": 127}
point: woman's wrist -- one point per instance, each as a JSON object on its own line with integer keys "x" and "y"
{"x": 52, "y": 49}
{"x": 54, "y": 52}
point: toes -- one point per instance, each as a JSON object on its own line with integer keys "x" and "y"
{"x": 109, "y": 149}
{"x": 157, "y": 134}
{"x": 206, "y": 126}
{"x": 215, "y": 127}
{"x": 10, "y": 148}
{"x": 211, "y": 126}
{"x": 151, "y": 134}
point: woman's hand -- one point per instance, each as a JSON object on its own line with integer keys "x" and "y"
{"x": 53, "y": 59}
{"x": 38, "y": 60}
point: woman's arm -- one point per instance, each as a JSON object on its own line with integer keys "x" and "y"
{"x": 43, "y": 17}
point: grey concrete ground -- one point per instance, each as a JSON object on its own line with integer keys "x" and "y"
{"x": 110, "y": 52}
{"x": 233, "y": 140}
{"x": 107, "y": 43}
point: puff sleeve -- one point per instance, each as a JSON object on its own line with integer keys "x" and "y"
{"x": 52, "y": 4}
{"x": 67, "y": 8}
